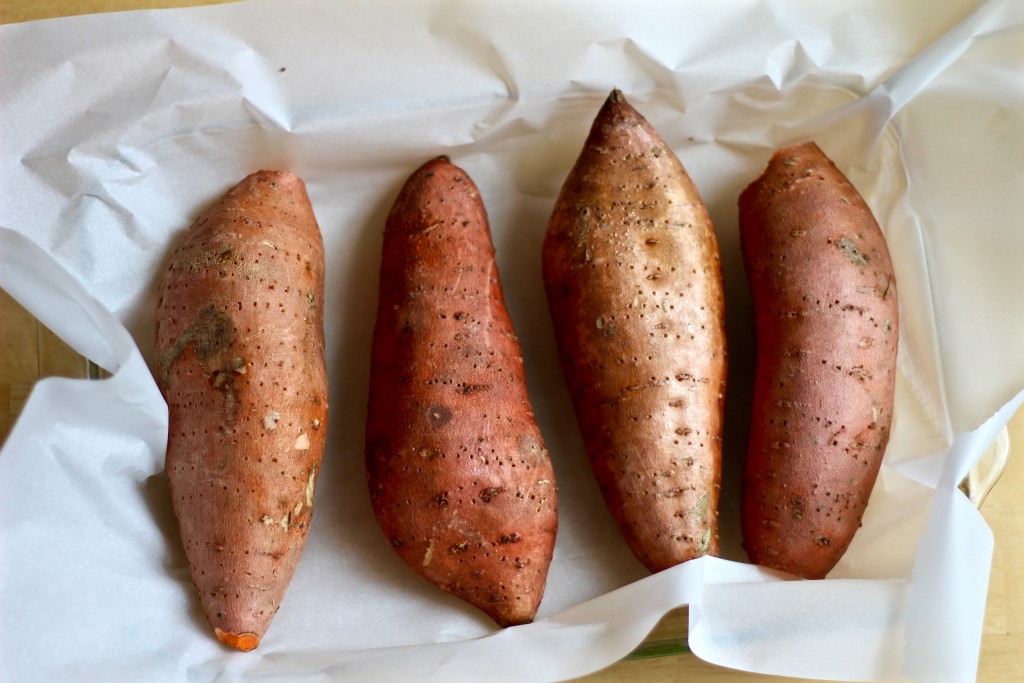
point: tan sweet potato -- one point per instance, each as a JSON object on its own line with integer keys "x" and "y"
{"x": 240, "y": 360}
{"x": 826, "y": 319}
{"x": 458, "y": 473}
{"x": 634, "y": 286}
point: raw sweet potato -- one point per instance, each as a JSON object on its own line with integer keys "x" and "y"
{"x": 240, "y": 360}
{"x": 825, "y": 315}
{"x": 460, "y": 480}
{"x": 634, "y": 286}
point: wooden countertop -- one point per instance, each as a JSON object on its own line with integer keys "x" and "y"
{"x": 28, "y": 351}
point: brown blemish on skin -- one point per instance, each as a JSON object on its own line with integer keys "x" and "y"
{"x": 847, "y": 246}
{"x": 438, "y": 416}
{"x": 211, "y": 333}
{"x": 206, "y": 259}
{"x": 700, "y": 510}
{"x": 489, "y": 493}
{"x": 704, "y": 542}
{"x": 470, "y": 388}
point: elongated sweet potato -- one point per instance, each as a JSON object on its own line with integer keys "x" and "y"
{"x": 634, "y": 286}
{"x": 825, "y": 313}
{"x": 458, "y": 473}
{"x": 240, "y": 360}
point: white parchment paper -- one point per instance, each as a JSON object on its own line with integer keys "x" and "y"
{"x": 120, "y": 129}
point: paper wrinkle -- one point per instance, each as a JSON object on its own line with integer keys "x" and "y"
{"x": 953, "y": 560}
{"x": 29, "y": 275}
{"x": 150, "y": 116}
{"x": 922, "y": 369}
{"x": 937, "y": 57}
{"x": 788, "y": 63}
{"x": 840, "y": 629}
{"x": 585, "y": 636}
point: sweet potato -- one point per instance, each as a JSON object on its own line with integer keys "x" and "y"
{"x": 459, "y": 476}
{"x": 240, "y": 361}
{"x": 825, "y": 316}
{"x": 634, "y": 287}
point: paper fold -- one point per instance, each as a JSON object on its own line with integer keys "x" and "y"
{"x": 953, "y": 560}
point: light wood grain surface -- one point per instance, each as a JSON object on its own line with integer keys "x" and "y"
{"x": 28, "y": 351}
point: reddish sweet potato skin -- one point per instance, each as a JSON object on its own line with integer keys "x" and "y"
{"x": 240, "y": 361}
{"x": 826, "y": 328}
{"x": 459, "y": 476}
{"x": 634, "y": 286}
